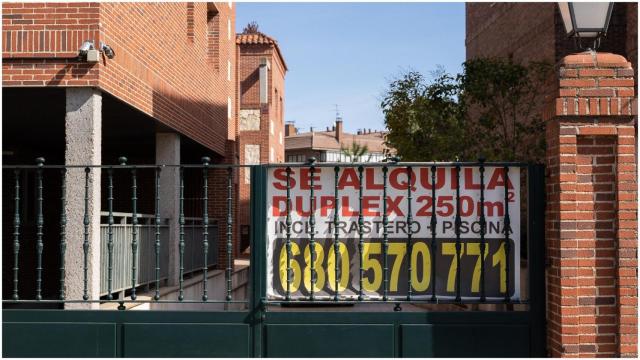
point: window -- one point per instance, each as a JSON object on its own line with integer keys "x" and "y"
{"x": 229, "y": 110}
{"x": 272, "y": 154}
{"x": 271, "y": 127}
{"x": 228, "y": 29}
{"x": 296, "y": 158}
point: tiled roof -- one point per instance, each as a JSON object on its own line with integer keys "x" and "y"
{"x": 326, "y": 140}
{"x": 259, "y": 38}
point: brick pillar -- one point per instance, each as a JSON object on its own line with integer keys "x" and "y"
{"x": 591, "y": 220}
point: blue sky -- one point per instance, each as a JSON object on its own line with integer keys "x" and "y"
{"x": 346, "y": 53}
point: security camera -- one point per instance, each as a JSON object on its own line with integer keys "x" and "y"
{"x": 85, "y": 47}
{"x": 107, "y": 50}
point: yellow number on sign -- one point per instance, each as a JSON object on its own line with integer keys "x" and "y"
{"x": 295, "y": 268}
{"x": 317, "y": 266}
{"x": 474, "y": 249}
{"x": 344, "y": 268}
{"x": 500, "y": 258}
{"x": 422, "y": 249}
{"x": 368, "y": 263}
{"x": 450, "y": 249}
{"x": 399, "y": 250}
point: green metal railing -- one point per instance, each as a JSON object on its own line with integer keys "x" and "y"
{"x": 133, "y": 252}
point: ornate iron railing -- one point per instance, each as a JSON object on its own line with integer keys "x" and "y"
{"x": 134, "y": 247}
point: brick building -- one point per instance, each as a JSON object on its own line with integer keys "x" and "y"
{"x": 327, "y": 146}
{"x": 509, "y": 29}
{"x": 590, "y": 114}
{"x": 261, "y": 73}
{"x": 170, "y": 95}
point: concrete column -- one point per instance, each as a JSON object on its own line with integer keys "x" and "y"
{"x": 168, "y": 153}
{"x": 83, "y": 145}
{"x": 591, "y": 219}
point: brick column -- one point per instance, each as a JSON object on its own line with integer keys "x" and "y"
{"x": 591, "y": 220}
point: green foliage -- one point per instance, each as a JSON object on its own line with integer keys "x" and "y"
{"x": 355, "y": 151}
{"x": 425, "y": 121}
{"x": 490, "y": 109}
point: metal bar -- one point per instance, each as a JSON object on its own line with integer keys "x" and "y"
{"x": 134, "y": 233}
{"x": 120, "y": 166}
{"x": 229, "y": 231}
{"x": 433, "y": 224}
{"x": 205, "y": 225}
{"x": 457, "y": 230}
{"x": 409, "y": 233}
{"x": 157, "y": 242}
{"x": 288, "y": 244}
{"x": 123, "y": 301}
{"x": 276, "y": 165}
{"x": 536, "y": 257}
{"x": 181, "y": 240}
{"x": 336, "y": 241}
{"x": 85, "y": 244}
{"x": 63, "y": 232}
{"x": 39, "y": 234}
{"x": 404, "y": 164}
{"x": 360, "y": 234}
{"x": 329, "y": 301}
{"x": 385, "y": 235}
{"x": 110, "y": 239}
{"x": 507, "y": 227}
{"x": 483, "y": 227}
{"x": 312, "y": 229}
{"x": 16, "y": 235}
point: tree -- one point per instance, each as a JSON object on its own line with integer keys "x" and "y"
{"x": 425, "y": 121}
{"x": 491, "y": 108}
{"x": 504, "y": 100}
{"x": 355, "y": 151}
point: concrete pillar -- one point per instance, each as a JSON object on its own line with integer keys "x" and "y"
{"x": 591, "y": 220}
{"x": 83, "y": 146}
{"x": 168, "y": 153}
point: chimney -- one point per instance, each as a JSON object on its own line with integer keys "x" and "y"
{"x": 339, "y": 134}
{"x": 290, "y": 129}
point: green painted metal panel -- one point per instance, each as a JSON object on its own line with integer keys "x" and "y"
{"x": 480, "y": 340}
{"x": 329, "y": 340}
{"x": 58, "y": 339}
{"x": 185, "y": 340}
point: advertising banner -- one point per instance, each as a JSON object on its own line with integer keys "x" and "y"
{"x": 428, "y": 255}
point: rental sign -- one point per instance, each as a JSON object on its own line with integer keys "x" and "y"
{"x": 429, "y": 263}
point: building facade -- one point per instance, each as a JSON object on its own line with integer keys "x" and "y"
{"x": 157, "y": 83}
{"x": 261, "y": 74}
{"x": 334, "y": 145}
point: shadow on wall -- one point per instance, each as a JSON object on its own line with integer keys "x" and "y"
{"x": 204, "y": 122}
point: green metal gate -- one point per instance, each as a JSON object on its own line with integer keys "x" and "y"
{"x": 283, "y": 328}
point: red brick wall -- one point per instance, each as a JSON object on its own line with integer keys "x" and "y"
{"x": 509, "y": 29}
{"x": 248, "y": 77}
{"x": 40, "y": 42}
{"x": 165, "y": 74}
{"x": 160, "y": 68}
{"x": 591, "y": 220}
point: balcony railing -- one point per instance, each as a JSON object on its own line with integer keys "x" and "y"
{"x": 145, "y": 260}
